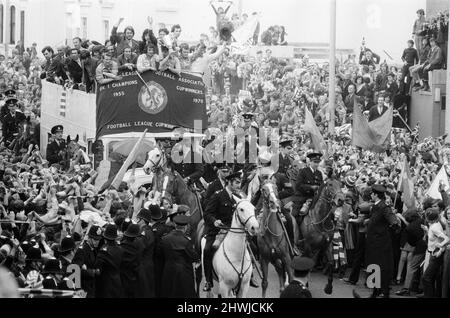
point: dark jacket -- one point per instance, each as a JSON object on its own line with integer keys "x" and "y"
{"x": 178, "y": 274}
{"x": 75, "y": 71}
{"x": 129, "y": 267}
{"x": 10, "y": 124}
{"x": 159, "y": 230}
{"x": 410, "y": 56}
{"x": 379, "y": 244}
{"x": 213, "y": 187}
{"x": 122, "y": 60}
{"x": 109, "y": 283}
{"x": 122, "y": 42}
{"x": 53, "y": 150}
{"x": 296, "y": 290}
{"x": 220, "y": 207}
{"x": 87, "y": 256}
{"x": 374, "y": 114}
{"x": 305, "y": 180}
{"x": 283, "y": 163}
{"x": 54, "y": 68}
{"x": 147, "y": 267}
{"x": 415, "y": 236}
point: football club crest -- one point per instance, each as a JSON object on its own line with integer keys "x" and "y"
{"x": 152, "y": 98}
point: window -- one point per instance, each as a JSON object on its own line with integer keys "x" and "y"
{"x": 106, "y": 29}
{"x": 22, "y": 27}
{"x": 13, "y": 25}
{"x": 1, "y": 23}
{"x": 84, "y": 25}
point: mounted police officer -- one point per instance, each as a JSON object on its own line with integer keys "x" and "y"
{"x": 284, "y": 164}
{"x": 11, "y": 121}
{"x": 223, "y": 170}
{"x": 218, "y": 213}
{"x": 298, "y": 286}
{"x": 56, "y": 150}
{"x": 308, "y": 182}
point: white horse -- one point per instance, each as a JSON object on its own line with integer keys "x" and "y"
{"x": 232, "y": 262}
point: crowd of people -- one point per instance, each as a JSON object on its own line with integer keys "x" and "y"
{"x": 127, "y": 245}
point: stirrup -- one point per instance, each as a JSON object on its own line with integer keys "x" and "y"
{"x": 207, "y": 287}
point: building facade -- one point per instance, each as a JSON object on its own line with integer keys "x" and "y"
{"x": 53, "y": 22}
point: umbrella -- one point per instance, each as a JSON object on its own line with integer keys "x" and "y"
{"x": 124, "y": 148}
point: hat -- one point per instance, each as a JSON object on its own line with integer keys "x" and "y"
{"x": 52, "y": 266}
{"x": 56, "y": 129}
{"x": 234, "y": 175}
{"x": 10, "y": 93}
{"x": 248, "y": 115}
{"x": 33, "y": 253}
{"x": 181, "y": 219}
{"x": 49, "y": 283}
{"x": 315, "y": 156}
{"x": 110, "y": 232}
{"x": 145, "y": 214}
{"x": 67, "y": 244}
{"x": 95, "y": 232}
{"x": 350, "y": 181}
{"x": 11, "y": 101}
{"x": 155, "y": 212}
{"x": 223, "y": 165}
{"x": 273, "y": 123}
{"x": 286, "y": 142}
{"x": 302, "y": 263}
{"x": 133, "y": 230}
{"x": 378, "y": 188}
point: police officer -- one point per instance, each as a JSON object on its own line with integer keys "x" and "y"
{"x": 223, "y": 170}
{"x": 11, "y": 120}
{"x": 187, "y": 163}
{"x": 109, "y": 258}
{"x": 298, "y": 286}
{"x": 85, "y": 257}
{"x": 308, "y": 182}
{"x": 10, "y": 93}
{"x": 56, "y": 150}
{"x": 179, "y": 254}
{"x": 147, "y": 285}
{"x": 218, "y": 212}
{"x": 284, "y": 164}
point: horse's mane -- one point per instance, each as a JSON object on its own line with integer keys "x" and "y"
{"x": 317, "y": 196}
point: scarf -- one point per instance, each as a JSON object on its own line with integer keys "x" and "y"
{"x": 338, "y": 251}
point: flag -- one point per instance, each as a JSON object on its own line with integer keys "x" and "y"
{"x": 433, "y": 191}
{"x": 244, "y": 37}
{"x": 130, "y": 159}
{"x": 406, "y": 186}
{"x": 374, "y": 135}
{"x": 311, "y": 127}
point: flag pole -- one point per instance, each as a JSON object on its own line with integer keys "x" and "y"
{"x": 332, "y": 77}
{"x": 400, "y": 182}
{"x": 130, "y": 159}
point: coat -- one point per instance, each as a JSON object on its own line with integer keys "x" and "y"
{"x": 374, "y": 114}
{"x": 178, "y": 275}
{"x": 122, "y": 43}
{"x": 53, "y": 150}
{"x": 109, "y": 284}
{"x": 378, "y": 243}
{"x": 87, "y": 256}
{"x": 284, "y": 163}
{"x": 296, "y": 290}
{"x": 305, "y": 180}
{"x": 130, "y": 267}
{"x": 10, "y": 124}
{"x": 159, "y": 230}
{"x": 147, "y": 267}
{"x": 220, "y": 207}
{"x": 213, "y": 187}
{"x": 75, "y": 71}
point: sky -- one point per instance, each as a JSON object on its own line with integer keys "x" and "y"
{"x": 385, "y": 24}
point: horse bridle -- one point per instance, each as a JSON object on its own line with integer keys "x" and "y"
{"x": 329, "y": 201}
{"x": 267, "y": 200}
{"x": 158, "y": 164}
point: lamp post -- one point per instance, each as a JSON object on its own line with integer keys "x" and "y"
{"x": 332, "y": 77}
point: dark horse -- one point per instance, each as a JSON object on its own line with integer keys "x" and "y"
{"x": 272, "y": 240}
{"x": 317, "y": 227}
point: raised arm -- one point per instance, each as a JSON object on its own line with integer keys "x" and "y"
{"x": 115, "y": 38}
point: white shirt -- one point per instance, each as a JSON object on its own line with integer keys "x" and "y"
{"x": 435, "y": 236}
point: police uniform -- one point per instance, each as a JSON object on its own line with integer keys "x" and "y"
{"x": 306, "y": 180}
{"x": 55, "y": 147}
{"x": 220, "y": 207}
{"x": 147, "y": 268}
{"x": 179, "y": 254}
{"x": 87, "y": 255}
{"x": 188, "y": 168}
{"x": 215, "y": 186}
{"x": 297, "y": 289}
{"x": 108, "y": 283}
{"x": 11, "y": 120}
